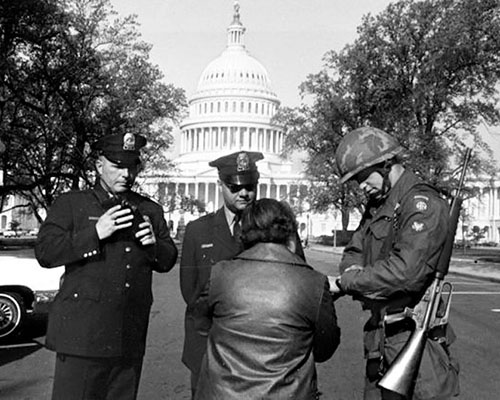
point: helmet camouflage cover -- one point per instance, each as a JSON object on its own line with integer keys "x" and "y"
{"x": 363, "y": 148}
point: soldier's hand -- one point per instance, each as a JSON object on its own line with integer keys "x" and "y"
{"x": 334, "y": 287}
{"x": 146, "y": 234}
{"x": 114, "y": 219}
{"x": 354, "y": 267}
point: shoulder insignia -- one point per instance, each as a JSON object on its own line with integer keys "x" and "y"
{"x": 207, "y": 245}
{"x": 417, "y": 226}
{"x": 421, "y": 205}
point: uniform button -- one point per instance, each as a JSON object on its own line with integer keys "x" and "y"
{"x": 94, "y": 252}
{"x": 127, "y": 285}
{"x": 75, "y": 295}
{"x": 128, "y": 249}
{"x": 128, "y": 266}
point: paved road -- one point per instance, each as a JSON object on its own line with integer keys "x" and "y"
{"x": 26, "y": 370}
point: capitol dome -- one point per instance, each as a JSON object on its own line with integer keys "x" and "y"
{"x": 235, "y": 71}
{"x": 232, "y": 107}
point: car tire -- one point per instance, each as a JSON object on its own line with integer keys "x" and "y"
{"x": 12, "y": 313}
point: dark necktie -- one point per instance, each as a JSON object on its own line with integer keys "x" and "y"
{"x": 237, "y": 228}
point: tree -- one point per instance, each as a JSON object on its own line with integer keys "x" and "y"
{"x": 477, "y": 234}
{"x": 70, "y": 72}
{"x": 14, "y": 225}
{"x": 426, "y": 71}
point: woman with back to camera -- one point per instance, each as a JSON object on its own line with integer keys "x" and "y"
{"x": 268, "y": 315}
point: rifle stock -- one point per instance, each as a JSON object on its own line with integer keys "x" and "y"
{"x": 402, "y": 375}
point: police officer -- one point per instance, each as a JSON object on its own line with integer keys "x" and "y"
{"x": 212, "y": 238}
{"x": 109, "y": 239}
{"x": 389, "y": 262}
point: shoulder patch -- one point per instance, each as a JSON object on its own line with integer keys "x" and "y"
{"x": 417, "y": 226}
{"x": 421, "y": 205}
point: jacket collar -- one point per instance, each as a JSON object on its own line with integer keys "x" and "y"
{"x": 100, "y": 193}
{"x": 272, "y": 252}
{"x": 405, "y": 182}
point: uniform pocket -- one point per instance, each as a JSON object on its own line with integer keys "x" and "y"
{"x": 381, "y": 228}
{"x": 83, "y": 291}
{"x": 438, "y": 374}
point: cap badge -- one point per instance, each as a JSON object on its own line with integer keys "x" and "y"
{"x": 242, "y": 162}
{"x": 129, "y": 141}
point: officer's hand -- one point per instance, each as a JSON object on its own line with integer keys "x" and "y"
{"x": 114, "y": 219}
{"x": 146, "y": 234}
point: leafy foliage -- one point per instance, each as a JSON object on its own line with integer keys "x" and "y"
{"x": 70, "y": 72}
{"x": 425, "y": 71}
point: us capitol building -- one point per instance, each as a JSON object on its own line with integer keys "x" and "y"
{"x": 231, "y": 110}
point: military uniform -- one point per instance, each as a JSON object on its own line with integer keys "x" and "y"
{"x": 398, "y": 243}
{"x": 100, "y": 316}
{"x": 391, "y": 259}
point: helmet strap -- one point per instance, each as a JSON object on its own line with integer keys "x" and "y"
{"x": 384, "y": 171}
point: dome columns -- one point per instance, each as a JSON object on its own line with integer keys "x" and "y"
{"x": 231, "y": 138}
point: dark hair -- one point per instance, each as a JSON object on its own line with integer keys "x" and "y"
{"x": 268, "y": 221}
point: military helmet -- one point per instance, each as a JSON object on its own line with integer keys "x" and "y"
{"x": 363, "y": 148}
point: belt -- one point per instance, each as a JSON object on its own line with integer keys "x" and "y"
{"x": 405, "y": 325}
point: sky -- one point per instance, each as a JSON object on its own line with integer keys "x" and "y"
{"x": 289, "y": 37}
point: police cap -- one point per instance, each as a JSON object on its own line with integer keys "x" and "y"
{"x": 238, "y": 168}
{"x": 122, "y": 149}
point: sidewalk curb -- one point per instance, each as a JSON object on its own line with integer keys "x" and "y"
{"x": 475, "y": 276}
{"x": 452, "y": 271}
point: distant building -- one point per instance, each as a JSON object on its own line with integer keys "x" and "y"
{"x": 12, "y": 210}
{"x": 232, "y": 110}
{"x": 482, "y": 211}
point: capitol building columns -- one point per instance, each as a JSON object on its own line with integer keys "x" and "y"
{"x": 231, "y": 138}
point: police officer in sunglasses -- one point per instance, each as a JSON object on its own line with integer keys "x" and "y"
{"x": 213, "y": 238}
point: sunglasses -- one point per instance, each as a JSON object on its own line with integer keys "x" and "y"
{"x": 233, "y": 188}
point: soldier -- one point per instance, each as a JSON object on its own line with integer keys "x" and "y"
{"x": 110, "y": 239}
{"x": 212, "y": 238}
{"x": 390, "y": 260}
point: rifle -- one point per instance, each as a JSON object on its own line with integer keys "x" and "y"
{"x": 430, "y": 312}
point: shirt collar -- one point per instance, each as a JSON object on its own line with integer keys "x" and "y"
{"x": 229, "y": 216}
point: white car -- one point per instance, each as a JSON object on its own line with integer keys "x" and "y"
{"x": 25, "y": 289}
{"x": 9, "y": 234}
